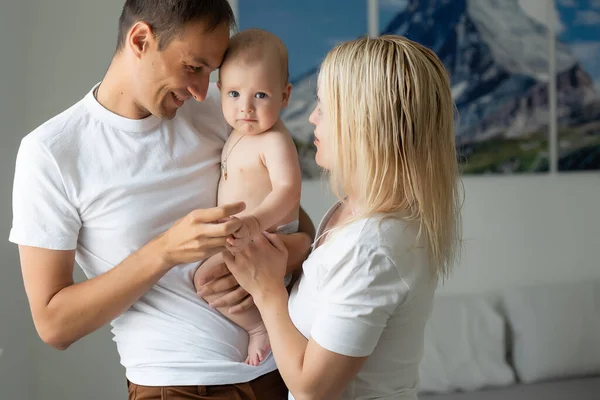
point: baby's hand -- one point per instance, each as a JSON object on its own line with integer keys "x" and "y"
{"x": 240, "y": 238}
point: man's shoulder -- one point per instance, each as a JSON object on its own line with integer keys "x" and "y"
{"x": 60, "y": 129}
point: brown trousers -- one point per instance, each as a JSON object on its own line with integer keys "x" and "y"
{"x": 266, "y": 387}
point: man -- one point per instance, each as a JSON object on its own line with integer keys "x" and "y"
{"x": 124, "y": 182}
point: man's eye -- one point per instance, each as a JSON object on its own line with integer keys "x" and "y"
{"x": 194, "y": 69}
{"x": 234, "y": 93}
{"x": 260, "y": 95}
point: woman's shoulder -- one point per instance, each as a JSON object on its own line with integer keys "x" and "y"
{"x": 389, "y": 231}
{"x": 397, "y": 238}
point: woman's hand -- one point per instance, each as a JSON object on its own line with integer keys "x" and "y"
{"x": 260, "y": 268}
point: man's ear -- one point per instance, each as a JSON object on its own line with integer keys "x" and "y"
{"x": 141, "y": 38}
{"x": 287, "y": 92}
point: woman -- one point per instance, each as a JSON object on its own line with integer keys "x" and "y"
{"x": 355, "y": 322}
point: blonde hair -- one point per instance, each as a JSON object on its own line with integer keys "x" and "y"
{"x": 391, "y": 116}
{"x": 257, "y": 45}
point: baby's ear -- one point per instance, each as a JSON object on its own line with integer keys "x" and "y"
{"x": 219, "y": 85}
{"x": 287, "y": 92}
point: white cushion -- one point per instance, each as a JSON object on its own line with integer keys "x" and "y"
{"x": 465, "y": 346}
{"x": 555, "y": 329}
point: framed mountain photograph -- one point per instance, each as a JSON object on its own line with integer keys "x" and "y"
{"x": 578, "y": 84}
{"x": 496, "y": 53}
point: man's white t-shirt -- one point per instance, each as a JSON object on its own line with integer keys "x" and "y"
{"x": 368, "y": 291}
{"x": 105, "y": 185}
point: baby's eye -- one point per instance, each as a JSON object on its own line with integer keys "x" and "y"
{"x": 260, "y": 95}
{"x": 234, "y": 93}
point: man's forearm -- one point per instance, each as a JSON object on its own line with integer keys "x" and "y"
{"x": 79, "y": 309}
{"x": 306, "y": 224}
{"x": 298, "y": 246}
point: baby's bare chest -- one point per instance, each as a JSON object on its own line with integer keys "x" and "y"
{"x": 244, "y": 176}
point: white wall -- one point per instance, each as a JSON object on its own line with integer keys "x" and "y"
{"x": 16, "y": 331}
{"x": 69, "y": 48}
{"x": 517, "y": 229}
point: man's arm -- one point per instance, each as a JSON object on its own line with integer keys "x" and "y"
{"x": 64, "y": 312}
{"x": 306, "y": 225}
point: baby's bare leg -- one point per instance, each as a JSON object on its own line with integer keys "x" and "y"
{"x": 250, "y": 320}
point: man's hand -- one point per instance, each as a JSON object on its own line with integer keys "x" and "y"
{"x": 199, "y": 235}
{"x": 221, "y": 281}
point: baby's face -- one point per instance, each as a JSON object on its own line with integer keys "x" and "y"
{"x": 252, "y": 95}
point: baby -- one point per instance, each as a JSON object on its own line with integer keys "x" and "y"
{"x": 259, "y": 163}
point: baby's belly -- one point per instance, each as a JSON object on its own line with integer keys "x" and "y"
{"x": 251, "y": 188}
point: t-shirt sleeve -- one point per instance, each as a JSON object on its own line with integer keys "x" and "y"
{"x": 360, "y": 296}
{"x": 43, "y": 216}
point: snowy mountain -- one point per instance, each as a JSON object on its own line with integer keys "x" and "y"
{"x": 497, "y": 58}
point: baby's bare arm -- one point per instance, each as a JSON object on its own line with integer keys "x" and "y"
{"x": 281, "y": 160}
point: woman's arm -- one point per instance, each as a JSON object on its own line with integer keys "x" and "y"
{"x": 357, "y": 297}
{"x": 220, "y": 279}
{"x": 309, "y": 370}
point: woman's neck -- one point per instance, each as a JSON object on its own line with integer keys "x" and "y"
{"x": 352, "y": 206}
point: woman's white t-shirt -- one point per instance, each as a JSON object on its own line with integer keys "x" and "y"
{"x": 368, "y": 291}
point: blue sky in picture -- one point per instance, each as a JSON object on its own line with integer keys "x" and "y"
{"x": 309, "y": 28}
{"x": 388, "y": 10}
{"x": 580, "y": 29}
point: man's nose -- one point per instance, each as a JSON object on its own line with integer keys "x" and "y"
{"x": 199, "y": 88}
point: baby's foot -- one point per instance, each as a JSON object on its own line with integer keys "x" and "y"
{"x": 258, "y": 345}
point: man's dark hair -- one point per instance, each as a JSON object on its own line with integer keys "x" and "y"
{"x": 167, "y": 18}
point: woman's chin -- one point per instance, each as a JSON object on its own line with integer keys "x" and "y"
{"x": 319, "y": 162}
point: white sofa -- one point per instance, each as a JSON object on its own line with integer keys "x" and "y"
{"x": 527, "y": 343}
